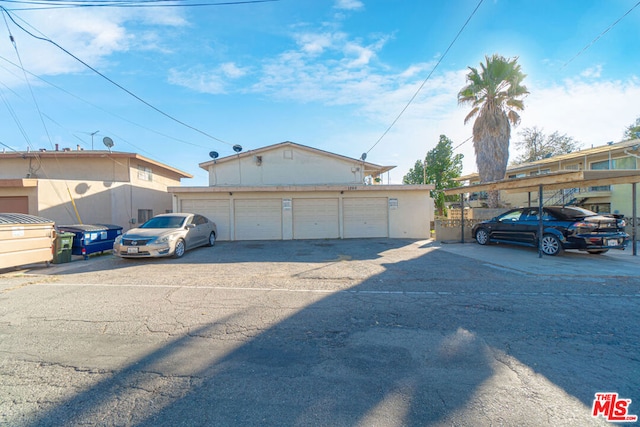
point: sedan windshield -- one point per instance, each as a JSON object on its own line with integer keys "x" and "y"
{"x": 164, "y": 222}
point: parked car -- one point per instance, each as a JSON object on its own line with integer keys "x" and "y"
{"x": 166, "y": 235}
{"x": 564, "y": 227}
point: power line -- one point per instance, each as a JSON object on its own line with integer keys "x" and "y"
{"x": 167, "y": 115}
{"x": 600, "y": 36}
{"x": 98, "y": 107}
{"x": 24, "y": 74}
{"x": 428, "y": 77}
{"x": 47, "y": 5}
{"x": 462, "y": 143}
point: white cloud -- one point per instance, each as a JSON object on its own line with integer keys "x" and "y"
{"x": 317, "y": 43}
{"x": 214, "y": 81}
{"x": 198, "y": 81}
{"x": 231, "y": 70}
{"x": 591, "y": 112}
{"x": 593, "y": 72}
{"x": 349, "y": 4}
{"x": 91, "y": 35}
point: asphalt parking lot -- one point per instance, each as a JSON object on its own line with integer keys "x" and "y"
{"x": 325, "y": 333}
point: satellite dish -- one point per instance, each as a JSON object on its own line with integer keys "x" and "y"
{"x": 237, "y": 148}
{"x": 363, "y": 157}
{"x": 108, "y": 142}
{"x": 213, "y": 154}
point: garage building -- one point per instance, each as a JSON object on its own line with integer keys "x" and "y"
{"x": 289, "y": 191}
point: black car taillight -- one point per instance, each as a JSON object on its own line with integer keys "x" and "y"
{"x": 586, "y": 225}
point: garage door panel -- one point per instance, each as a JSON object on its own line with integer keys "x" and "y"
{"x": 16, "y": 204}
{"x": 216, "y": 210}
{"x": 258, "y": 219}
{"x": 365, "y": 217}
{"x": 316, "y": 219}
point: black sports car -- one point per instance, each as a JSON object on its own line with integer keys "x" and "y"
{"x": 564, "y": 227}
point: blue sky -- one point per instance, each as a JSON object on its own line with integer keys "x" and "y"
{"x": 330, "y": 74}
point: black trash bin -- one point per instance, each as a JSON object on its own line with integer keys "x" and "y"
{"x": 92, "y": 238}
{"x": 62, "y": 247}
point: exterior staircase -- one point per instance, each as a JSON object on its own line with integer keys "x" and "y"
{"x": 563, "y": 197}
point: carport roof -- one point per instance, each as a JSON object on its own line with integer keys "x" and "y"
{"x": 553, "y": 181}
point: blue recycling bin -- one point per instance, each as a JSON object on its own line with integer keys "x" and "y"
{"x": 92, "y": 238}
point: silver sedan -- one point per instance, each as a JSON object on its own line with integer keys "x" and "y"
{"x": 166, "y": 235}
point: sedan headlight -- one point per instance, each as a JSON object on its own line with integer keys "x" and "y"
{"x": 118, "y": 240}
{"x": 166, "y": 239}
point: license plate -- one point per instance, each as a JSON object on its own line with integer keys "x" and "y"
{"x": 133, "y": 250}
{"x": 612, "y": 242}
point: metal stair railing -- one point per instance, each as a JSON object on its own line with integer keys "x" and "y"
{"x": 562, "y": 197}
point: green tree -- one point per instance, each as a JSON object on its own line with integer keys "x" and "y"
{"x": 494, "y": 93}
{"x": 535, "y": 145}
{"x": 416, "y": 175}
{"x": 632, "y": 131}
{"x": 442, "y": 167}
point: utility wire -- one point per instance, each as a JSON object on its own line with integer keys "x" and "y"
{"x": 600, "y": 36}
{"x": 462, "y": 143}
{"x": 98, "y": 107}
{"x": 428, "y": 77}
{"x": 125, "y": 4}
{"x": 113, "y": 82}
{"x": 24, "y": 74}
{"x": 10, "y": 148}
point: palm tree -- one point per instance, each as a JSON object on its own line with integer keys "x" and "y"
{"x": 494, "y": 93}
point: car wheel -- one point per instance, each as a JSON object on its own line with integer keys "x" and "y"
{"x": 180, "y": 248}
{"x": 551, "y": 245}
{"x": 598, "y": 251}
{"x": 212, "y": 239}
{"x": 482, "y": 236}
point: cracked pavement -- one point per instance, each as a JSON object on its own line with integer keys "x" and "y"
{"x": 325, "y": 333}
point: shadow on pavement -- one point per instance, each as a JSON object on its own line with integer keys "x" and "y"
{"x": 378, "y": 354}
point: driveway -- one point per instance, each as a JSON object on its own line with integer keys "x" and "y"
{"x": 324, "y": 333}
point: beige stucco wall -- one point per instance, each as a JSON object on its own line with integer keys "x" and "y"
{"x": 105, "y": 188}
{"x": 73, "y": 168}
{"x": 287, "y": 165}
{"x": 97, "y": 202}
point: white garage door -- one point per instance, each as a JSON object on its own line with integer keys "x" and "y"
{"x": 216, "y": 210}
{"x": 316, "y": 219}
{"x": 365, "y": 217}
{"x": 258, "y": 219}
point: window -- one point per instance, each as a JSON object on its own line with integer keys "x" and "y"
{"x": 599, "y": 166}
{"x": 619, "y": 163}
{"x": 624, "y": 163}
{"x": 144, "y": 215}
{"x": 199, "y": 220}
{"x": 144, "y": 173}
{"x": 603, "y": 165}
{"x": 540, "y": 172}
{"x": 511, "y": 216}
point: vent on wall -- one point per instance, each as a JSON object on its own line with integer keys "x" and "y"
{"x": 288, "y": 154}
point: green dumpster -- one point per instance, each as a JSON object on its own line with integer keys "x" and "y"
{"x": 63, "y": 245}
